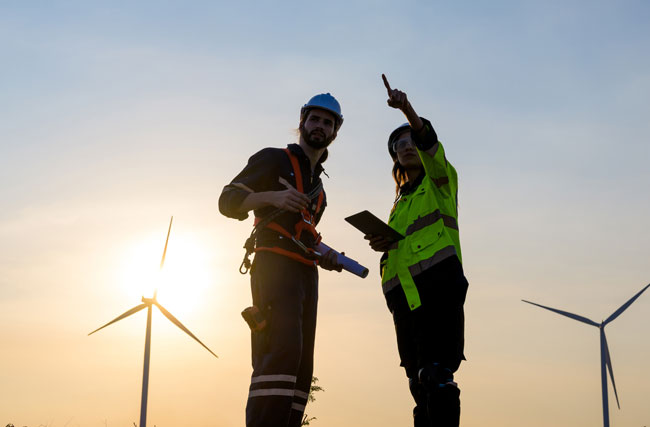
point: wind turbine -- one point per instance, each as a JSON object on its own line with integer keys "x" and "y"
{"x": 149, "y": 303}
{"x": 605, "y": 359}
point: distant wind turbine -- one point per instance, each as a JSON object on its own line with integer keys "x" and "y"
{"x": 605, "y": 359}
{"x": 149, "y": 303}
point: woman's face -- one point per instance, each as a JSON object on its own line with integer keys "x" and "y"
{"x": 407, "y": 154}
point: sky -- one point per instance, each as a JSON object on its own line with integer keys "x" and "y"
{"x": 115, "y": 116}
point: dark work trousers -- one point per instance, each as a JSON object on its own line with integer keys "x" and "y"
{"x": 286, "y": 292}
{"x": 432, "y": 337}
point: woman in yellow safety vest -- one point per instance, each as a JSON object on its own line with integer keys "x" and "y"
{"x": 422, "y": 274}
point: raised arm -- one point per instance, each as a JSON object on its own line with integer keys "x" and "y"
{"x": 424, "y": 135}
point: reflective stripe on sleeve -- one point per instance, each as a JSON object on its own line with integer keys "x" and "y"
{"x": 439, "y": 182}
{"x": 431, "y": 218}
{"x": 241, "y": 186}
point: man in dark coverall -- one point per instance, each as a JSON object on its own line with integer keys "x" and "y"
{"x": 284, "y": 186}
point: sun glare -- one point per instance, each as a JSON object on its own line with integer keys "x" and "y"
{"x": 183, "y": 280}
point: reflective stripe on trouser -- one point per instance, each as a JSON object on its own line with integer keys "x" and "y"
{"x": 286, "y": 292}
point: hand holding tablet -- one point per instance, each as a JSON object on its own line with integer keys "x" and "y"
{"x": 369, "y": 224}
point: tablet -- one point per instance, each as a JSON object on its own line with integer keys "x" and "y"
{"x": 367, "y": 223}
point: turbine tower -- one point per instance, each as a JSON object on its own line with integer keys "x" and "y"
{"x": 605, "y": 359}
{"x": 149, "y": 303}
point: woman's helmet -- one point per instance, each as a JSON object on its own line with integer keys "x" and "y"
{"x": 393, "y": 136}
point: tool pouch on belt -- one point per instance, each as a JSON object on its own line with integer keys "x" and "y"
{"x": 253, "y": 316}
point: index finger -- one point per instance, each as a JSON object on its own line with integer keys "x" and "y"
{"x": 383, "y": 76}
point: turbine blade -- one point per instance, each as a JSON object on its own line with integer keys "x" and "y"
{"x": 162, "y": 261}
{"x": 176, "y": 322}
{"x": 567, "y": 314}
{"x": 625, "y": 306}
{"x": 608, "y": 362}
{"x": 118, "y": 318}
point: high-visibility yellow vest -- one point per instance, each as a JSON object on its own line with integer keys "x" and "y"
{"x": 428, "y": 217}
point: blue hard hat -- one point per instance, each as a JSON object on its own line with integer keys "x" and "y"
{"x": 393, "y": 135}
{"x": 326, "y": 102}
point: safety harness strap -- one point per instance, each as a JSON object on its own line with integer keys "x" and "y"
{"x": 296, "y": 169}
{"x": 293, "y": 255}
{"x": 305, "y": 223}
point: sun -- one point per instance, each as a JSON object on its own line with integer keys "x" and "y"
{"x": 182, "y": 282}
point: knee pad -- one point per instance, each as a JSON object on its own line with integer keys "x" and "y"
{"x": 443, "y": 395}
{"x": 434, "y": 376}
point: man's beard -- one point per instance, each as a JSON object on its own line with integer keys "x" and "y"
{"x": 316, "y": 144}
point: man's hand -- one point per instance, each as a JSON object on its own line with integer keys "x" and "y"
{"x": 329, "y": 261}
{"x": 378, "y": 243}
{"x": 396, "y": 98}
{"x": 289, "y": 200}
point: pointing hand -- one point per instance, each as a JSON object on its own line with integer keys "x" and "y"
{"x": 396, "y": 98}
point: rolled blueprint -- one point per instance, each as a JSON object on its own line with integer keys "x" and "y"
{"x": 348, "y": 263}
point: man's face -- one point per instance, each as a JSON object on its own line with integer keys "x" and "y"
{"x": 407, "y": 154}
{"x": 318, "y": 129}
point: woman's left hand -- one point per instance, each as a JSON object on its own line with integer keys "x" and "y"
{"x": 378, "y": 243}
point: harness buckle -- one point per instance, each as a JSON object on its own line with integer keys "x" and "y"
{"x": 308, "y": 221}
{"x": 300, "y": 244}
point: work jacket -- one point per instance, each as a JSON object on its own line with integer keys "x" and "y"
{"x": 266, "y": 171}
{"x": 426, "y": 213}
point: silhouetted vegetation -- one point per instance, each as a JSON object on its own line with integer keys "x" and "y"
{"x": 306, "y": 420}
